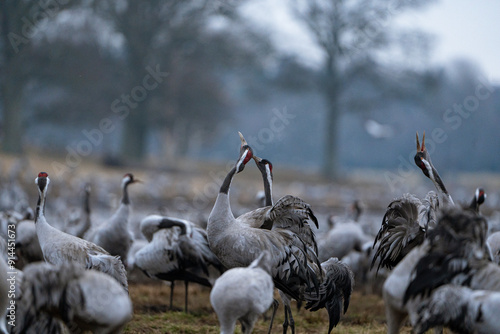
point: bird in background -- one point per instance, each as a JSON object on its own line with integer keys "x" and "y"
{"x": 114, "y": 235}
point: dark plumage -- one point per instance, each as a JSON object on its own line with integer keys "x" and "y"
{"x": 403, "y": 228}
{"x": 457, "y": 249}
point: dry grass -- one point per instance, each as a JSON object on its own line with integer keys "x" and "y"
{"x": 152, "y": 314}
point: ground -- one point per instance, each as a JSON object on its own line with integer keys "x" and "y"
{"x": 152, "y": 315}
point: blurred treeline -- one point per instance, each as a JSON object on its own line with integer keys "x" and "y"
{"x": 128, "y": 80}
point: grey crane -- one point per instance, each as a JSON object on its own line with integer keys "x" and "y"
{"x": 59, "y": 247}
{"x": 243, "y": 294}
{"x": 460, "y": 308}
{"x": 456, "y": 253}
{"x": 401, "y": 238}
{"x": 114, "y": 235}
{"x": 287, "y": 236}
{"x": 82, "y": 299}
{"x": 177, "y": 251}
{"x": 408, "y": 218}
{"x": 456, "y": 256}
{"x": 447, "y": 256}
{"x": 344, "y": 279}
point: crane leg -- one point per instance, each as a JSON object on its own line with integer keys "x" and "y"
{"x": 276, "y": 303}
{"x": 288, "y": 320}
{"x": 171, "y": 294}
{"x": 186, "y": 283}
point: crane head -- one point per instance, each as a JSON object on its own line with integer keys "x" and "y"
{"x": 128, "y": 178}
{"x": 265, "y": 166}
{"x": 42, "y": 181}
{"x": 246, "y": 153}
{"x": 422, "y": 157}
{"x": 480, "y": 196}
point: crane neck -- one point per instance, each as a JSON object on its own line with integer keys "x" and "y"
{"x": 40, "y": 206}
{"x": 438, "y": 183}
{"x": 125, "y": 200}
{"x": 224, "y": 188}
{"x": 86, "y": 203}
{"x": 167, "y": 223}
{"x": 268, "y": 188}
{"x": 221, "y": 212}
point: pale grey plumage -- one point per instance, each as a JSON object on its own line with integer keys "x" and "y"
{"x": 296, "y": 269}
{"x": 177, "y": 250}
{"x": 461, "y": 309}
{"x": 114, "y": 235}
{"x": 340, "y": 240}
{"x": 27, "y": 245}
{"x": 493, "y": 242}
{"x": 59, "y": 247}
{"x": 243, "y": 294}
{"x": 82, "y": 299}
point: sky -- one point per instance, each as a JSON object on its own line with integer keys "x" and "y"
{"x": 461, "y": 29}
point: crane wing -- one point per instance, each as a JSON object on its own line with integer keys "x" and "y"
{"x": 400, "y": 231}
{"x": 293, "y": 214}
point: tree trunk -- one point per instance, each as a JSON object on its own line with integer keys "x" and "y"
{"x": 331, "y": 164}
{"x": 12, "y": 127}
{"x": 11, "y": 85}
{"x": 332, "y": 94}
{"x": 135, "y": 135}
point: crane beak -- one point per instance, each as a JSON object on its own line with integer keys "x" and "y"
{"x": 421, "y": 149}
{"x": 257, "y": 159}
{"x": 243, "y": 141}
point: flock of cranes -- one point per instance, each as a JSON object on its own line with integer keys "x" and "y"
{"x": 439, "y": 262}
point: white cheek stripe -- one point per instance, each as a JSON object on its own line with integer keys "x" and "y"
{"x": 269, "y": 179}
{"x": 429, "y": 169}
{"x": 242, "y": 158}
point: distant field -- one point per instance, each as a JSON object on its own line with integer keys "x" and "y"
{"x": 151, "y": 314}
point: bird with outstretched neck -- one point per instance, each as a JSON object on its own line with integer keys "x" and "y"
{"x": 295, "y": 268}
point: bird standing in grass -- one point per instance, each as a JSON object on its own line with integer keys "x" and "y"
{"x": 284, "y": 230}
{"x": 243, "y": 294}
{"x": 59, "y": 247}
{"x": 177, "y": 251}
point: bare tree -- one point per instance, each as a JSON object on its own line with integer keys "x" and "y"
{"x": 20, "y": 22}
{"x": 348, "y": 32}
{"x": 158, "y": 37}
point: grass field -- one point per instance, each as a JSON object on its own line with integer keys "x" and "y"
{"x": 152, "y": 314}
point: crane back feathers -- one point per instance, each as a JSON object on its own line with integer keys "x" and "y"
{"x": 400, "y": 232}
{"x": 457, "y": 250}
